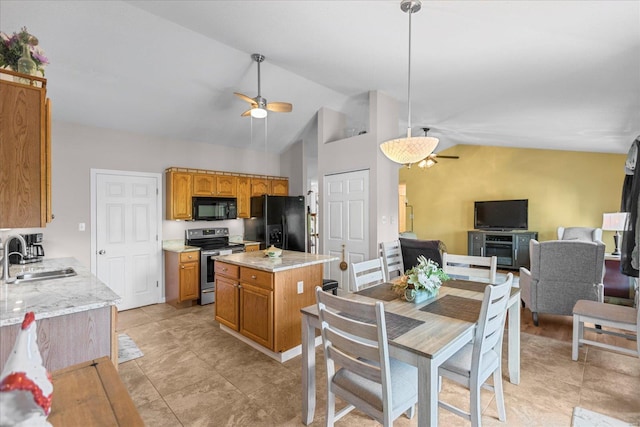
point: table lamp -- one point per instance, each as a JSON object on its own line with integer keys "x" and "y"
{"x": 615, "y": 221}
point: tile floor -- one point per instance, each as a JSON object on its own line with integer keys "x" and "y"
{"x": 193, "y": 374}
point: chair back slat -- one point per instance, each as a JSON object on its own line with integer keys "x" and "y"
{"x": 490, "y": 327}
{"x": 392, "y": 257}
{"x": 368, "y": 273}
{"x": 470, "y": 266}
{"x": 351, "y": 325}
{"x": 362, "y": 367}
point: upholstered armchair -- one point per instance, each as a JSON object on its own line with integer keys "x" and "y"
{"x": 580, "y": 233}
{"x": 562, "y": 272}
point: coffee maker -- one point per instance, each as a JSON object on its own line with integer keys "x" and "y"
{"x": 34, "y": 250}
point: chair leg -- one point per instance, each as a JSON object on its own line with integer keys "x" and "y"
{"x": 577, "y": 336}
{"x": 522, "y": 302}
{"x": 499, "y": 393}
{"x": 475, "y": 408}
{"x": 411, "y": 412}
{"x": 331, "y": 409}
{"x": 535, "y": 319}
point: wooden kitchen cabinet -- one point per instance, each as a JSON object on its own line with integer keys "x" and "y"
{"x": 243, "y": 196}
{"x": 251, "y": 247}
{"x": 279, "y": 187}
{"x": 25, "y": 150}
{"x": 182, "y": 276}
{"x": 204, "y": 185}
{"x": 260, "y": 186}
{"x": 256, "y": 314}
{"x": 226, "y": 186}
{"x": 227, "y": 302}
{"x": 179, "y": 189}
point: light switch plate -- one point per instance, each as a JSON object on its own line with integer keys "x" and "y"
{"x": 300, "y": 287}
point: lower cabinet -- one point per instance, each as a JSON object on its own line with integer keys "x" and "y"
{"x": 265, "y": 306}
{"x": 182, "y": 276}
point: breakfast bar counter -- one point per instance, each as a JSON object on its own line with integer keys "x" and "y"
{"x": 258, "y": 298}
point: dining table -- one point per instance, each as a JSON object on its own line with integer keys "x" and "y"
{"x": 424, "y": 335}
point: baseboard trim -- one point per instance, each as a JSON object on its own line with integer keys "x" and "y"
{"x": 279, "y": 357}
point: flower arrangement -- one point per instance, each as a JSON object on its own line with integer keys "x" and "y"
{"x": 11, "y": 50}
{"x": 426, "y": 276}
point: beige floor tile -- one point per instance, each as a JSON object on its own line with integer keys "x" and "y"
{"x": 158, "y": 414}
{"x": 617, "y": 362}
{"x": 137, "y": 383}
{"x": 130, "y": 318}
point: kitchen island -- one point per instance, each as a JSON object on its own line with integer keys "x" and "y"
{"x": 76, "y": 316}
{"x": 258, "y": 299}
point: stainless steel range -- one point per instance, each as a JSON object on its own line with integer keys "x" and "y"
{"x": 212, "y": 242}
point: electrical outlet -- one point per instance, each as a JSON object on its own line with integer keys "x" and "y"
{"x": 81, "y": 226}
{"x": 300, "y": 287}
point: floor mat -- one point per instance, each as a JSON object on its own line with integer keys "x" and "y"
{"x": 127, "y": 349}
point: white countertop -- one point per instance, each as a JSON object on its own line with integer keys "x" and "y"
{"x": 177, "y": 246}
{"x": 288, "y": 261}
{"x": 53, "y": 297}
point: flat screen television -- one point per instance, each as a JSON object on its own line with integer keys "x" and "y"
{"x": 501, "y": 215}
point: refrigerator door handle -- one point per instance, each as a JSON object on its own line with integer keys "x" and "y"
{"x": 285, "y": 233}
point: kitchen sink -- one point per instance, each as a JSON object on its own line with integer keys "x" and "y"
{"x": 45, "y": 275}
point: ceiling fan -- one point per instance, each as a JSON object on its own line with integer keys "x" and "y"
{"x": 430, "y": 160}
{"x": 259, "y": 105}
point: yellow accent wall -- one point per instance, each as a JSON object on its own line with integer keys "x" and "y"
{"x": 564, "y": 188}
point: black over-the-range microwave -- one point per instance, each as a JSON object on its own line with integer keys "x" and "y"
{"x": 214, "y": 208}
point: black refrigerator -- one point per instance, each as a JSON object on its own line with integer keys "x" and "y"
{"x": 279, "y": 221}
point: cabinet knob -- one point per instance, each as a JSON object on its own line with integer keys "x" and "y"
{"x": 224, "y": 269}
{"x": 190, "y": 257}
{"x": 254, "y": 277}
{"x": 182, "y": 266}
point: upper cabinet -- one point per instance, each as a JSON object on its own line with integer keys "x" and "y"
{"x": 279, "y": 187}
{"x": 183, "y": 184}
{"x": 179, "y": 195}
{"x": 260, "y": 186}
{"x": 25, "y": 151}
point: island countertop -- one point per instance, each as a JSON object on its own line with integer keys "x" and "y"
{"x": 53, "y": 297}
{"x": 289, "y": 260}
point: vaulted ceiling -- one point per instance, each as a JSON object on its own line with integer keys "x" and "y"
{"x": 542, "y": 74}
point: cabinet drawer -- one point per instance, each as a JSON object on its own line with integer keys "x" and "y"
{"x": 258, "y": 278}
{"x": 225, "y": 269}
{"x": 189, "y": 256}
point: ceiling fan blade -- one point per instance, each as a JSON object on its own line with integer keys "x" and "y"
{"x": 246, "y": 113}
{"x": 244, "y": 98}
{"x": 279, "y": 107}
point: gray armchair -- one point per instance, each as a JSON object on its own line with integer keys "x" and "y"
{"x": 562, "y": 272}
{"x": 580, "y": 233}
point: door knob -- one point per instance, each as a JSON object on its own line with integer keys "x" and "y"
{"x": 101, "y": 252}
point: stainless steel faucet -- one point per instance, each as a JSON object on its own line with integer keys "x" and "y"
{"x": 5, "y": 259}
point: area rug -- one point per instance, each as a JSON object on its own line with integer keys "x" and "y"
{"x": 127, "y": 349}
{"x": 586, "y": 418}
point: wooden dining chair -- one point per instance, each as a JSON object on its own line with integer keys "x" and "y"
{"x": 480, "y": 359}
{"x": 392, "y": 257}
{"x": 470, "y": 267}
{"x": 622, "y": 319}
{"x": 368, "y": 379}
{"x": 368, "y": 273}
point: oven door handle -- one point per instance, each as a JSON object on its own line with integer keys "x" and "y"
{"x": 208, "y": 291}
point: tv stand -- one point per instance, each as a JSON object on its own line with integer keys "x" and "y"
{"x": 510, "y": 247}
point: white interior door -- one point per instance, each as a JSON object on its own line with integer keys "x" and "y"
{"x": 346, "y": 222}
{"x": 127, "y": 254}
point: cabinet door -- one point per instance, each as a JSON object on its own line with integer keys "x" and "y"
{"x": 47, "y": 156}
{"x": 189, "y": 281}
{"x": 279, "y": 187}
{"x": 522, "y": 251}
{"x": 227, "y": 302}
{"x": 243, "y": 185}
{"x": 22, "y": 156}
{"x": 259, "y": 186}
{"x": 179, "y": 195}
{"x": 204, "y": 185}
{"x": 252, "y": 247}
{"x": 476, "y": 244}
{"x": 256, "y": 314}
{"x": 226, "y": 185}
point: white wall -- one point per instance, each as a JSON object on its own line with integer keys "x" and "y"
{"x": 363, "y": 152}
{"x": 292, "y": 166}
{"x": 76, "y": 149}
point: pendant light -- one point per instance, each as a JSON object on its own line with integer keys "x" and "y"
{"x": 410, "y": 149}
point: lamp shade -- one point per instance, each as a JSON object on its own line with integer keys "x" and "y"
{"x": 410, "y": 149}
{"x": 615, "y": 221}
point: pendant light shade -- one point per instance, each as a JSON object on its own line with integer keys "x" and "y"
{"x": 410, "y": 149}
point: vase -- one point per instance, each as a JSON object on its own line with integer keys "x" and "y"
{"x": 420, "y": 295}
{"x": 26, "y": 65}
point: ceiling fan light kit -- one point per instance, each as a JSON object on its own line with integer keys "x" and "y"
{"x": 259, "y": 105}
{"x": 410, "y": 149}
